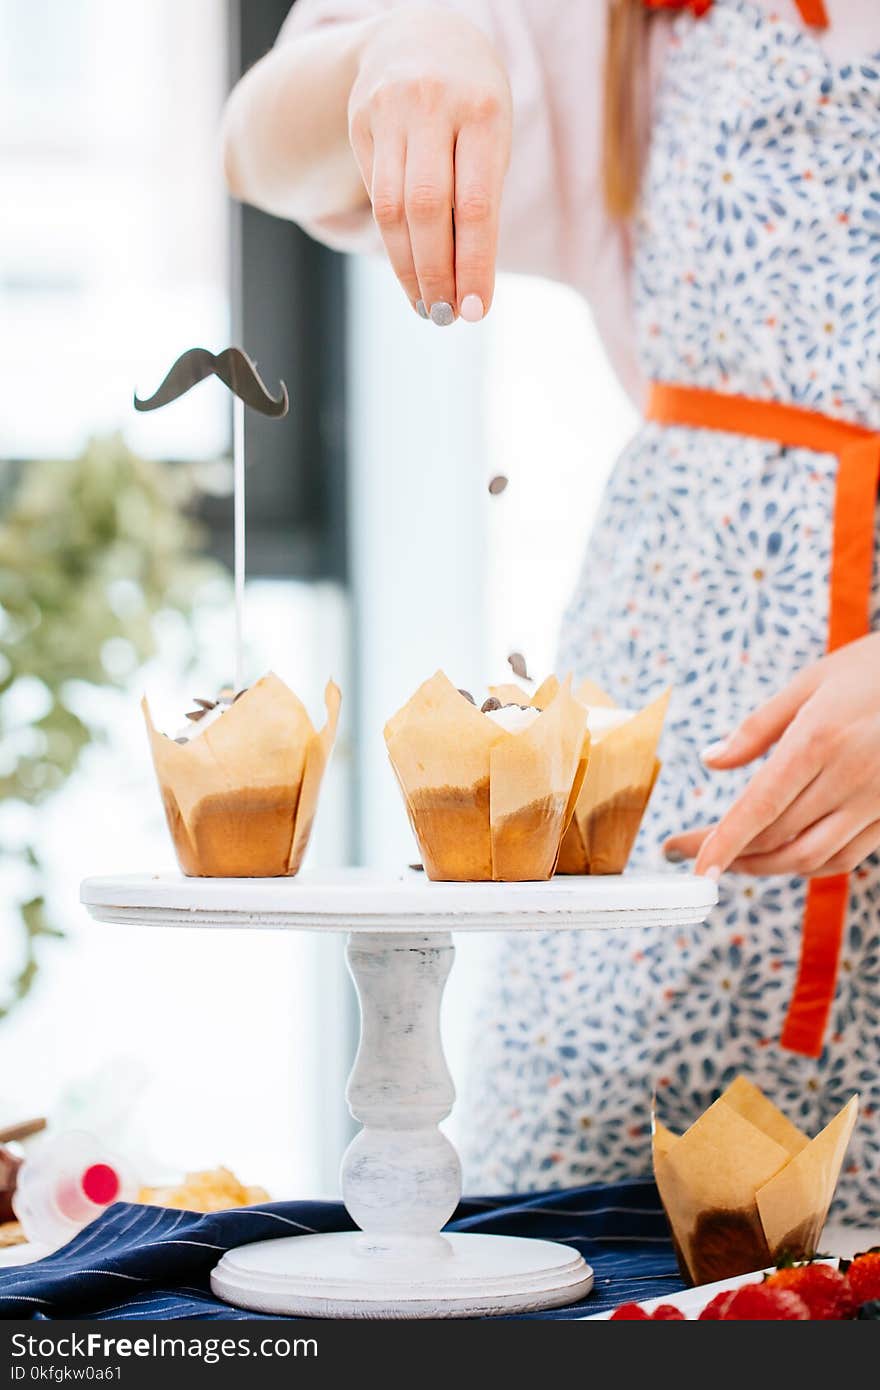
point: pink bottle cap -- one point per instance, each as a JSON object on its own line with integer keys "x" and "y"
{"x": 101, "y": 1184}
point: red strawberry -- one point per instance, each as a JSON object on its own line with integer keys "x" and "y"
{"x": 824, "y": 1289}
{"x": 716, "y": 1308}
{"x": 864, "y": 1277}
{"x": 630, "y": 1312}
{"x": 760, "y": 1303}
{"x": 667, "y": 1312}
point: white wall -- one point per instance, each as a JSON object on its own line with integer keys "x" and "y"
{"x": 418, "y": 524}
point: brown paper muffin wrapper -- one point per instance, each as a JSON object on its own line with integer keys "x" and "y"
{"x": 743, "y": 1187}
{"x": 240, "y": 799}
{"x": 484, "y": 803}
{"x": 621, "y": 771}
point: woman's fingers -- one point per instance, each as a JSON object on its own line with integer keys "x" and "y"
{"x": 817, "y": 799}
{"x": 428, "y": 193}
{"x": 678, "y": 848}
{"x": 855, "y": 853}
{"x": 386, "y": 187}
{"x": 479, "y": 175}
{"x": 793, "y": 765}
{"x": 764, "y": 727}
{"x": 834, "y": 844}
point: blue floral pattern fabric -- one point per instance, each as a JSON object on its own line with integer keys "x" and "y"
{"x": 757, "y": 271}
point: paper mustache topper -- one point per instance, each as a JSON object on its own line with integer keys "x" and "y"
{"x": 234, "y": 368}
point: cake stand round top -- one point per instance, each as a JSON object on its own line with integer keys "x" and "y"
{"x": 364, "y": 900}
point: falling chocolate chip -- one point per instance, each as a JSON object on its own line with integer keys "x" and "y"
{"x": 417, "y": 868}
{"x": 468, "y": 696}
{"x": 517, "y": 663}
{"x": 498, "y": 484}
{"x": 488, "y": 705}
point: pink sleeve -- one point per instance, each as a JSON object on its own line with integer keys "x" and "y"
{"x": 553, "y": 221}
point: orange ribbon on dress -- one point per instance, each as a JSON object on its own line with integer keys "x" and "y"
{"x": 813, "y": 12}
{"x": 852, "y": 554}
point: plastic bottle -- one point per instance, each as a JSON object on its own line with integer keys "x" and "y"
{"x": 66, "y": 1183}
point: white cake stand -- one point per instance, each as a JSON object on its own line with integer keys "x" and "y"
{"x": 401, "y": 1178}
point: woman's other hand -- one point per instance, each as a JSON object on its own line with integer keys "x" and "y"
{"x": 429, "y": 119}
{"x": 813, "y": 808}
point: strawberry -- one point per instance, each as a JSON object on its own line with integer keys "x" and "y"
{"x": 864, "y": 1277}
{"x": 716, "y": 1308}
{"x": 630, "y": 1312}
{"x": 824, "y": 1289}
{"x": 667, "y": 1312}
{"x": 760, "y": 1303}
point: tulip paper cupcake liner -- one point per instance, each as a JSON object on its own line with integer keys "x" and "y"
{"x": 240, "y": 799}
{"x": 485, "y": 802}
{"x": 622, "y": 768}
{"x": 743, "y": 1187}
{"x": 621, "y": 773}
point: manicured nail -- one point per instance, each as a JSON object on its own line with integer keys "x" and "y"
{"x": 674, "y": 856}
{"x": 717, "y": 750}
{"x": 442, "y": 314}
{"x": 422, "y": 309}
{"x": 472, "y": 308}
{"x": 713, "y": 873}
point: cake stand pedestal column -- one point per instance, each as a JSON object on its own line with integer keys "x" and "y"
{"x": 401, "y": 1179}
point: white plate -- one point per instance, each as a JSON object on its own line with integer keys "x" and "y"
{"x": 847, "y": 1240}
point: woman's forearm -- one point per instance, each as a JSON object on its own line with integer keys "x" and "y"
{"x": 286, "y": 145}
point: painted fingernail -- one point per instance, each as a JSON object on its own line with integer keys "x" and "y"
{"x": 674, "y": 856}
{"x": 472, "y": 308}
{"x": 713, "y": 873}
{"x": 422, "y": 309}
{"x": 717, "y": 750}
{"x": 442, "y": 314}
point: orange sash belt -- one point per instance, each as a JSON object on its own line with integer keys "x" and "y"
{"x": 852, "y": 552}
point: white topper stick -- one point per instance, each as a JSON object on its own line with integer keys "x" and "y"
{"x": 238, "y": 479}
{"x": 239, "y": 374}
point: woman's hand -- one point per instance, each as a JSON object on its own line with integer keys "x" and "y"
{"x": 814, "y": 806}
{"x": 430, "y": 124}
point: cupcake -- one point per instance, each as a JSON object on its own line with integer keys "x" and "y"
{"x": 240, "y": 782}
{"x": 489, "y": 792}
{"x": 621, "y": 771}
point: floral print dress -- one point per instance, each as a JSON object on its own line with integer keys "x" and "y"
{"x": 757, "y": 272}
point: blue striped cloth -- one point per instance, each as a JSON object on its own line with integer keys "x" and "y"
{"x": 151, "y": 1262}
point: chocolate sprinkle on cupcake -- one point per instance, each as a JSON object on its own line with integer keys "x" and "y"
{"x": 488, "y": 705}
{"x": 468, "y": 696}
{"x": 517, "y": 664}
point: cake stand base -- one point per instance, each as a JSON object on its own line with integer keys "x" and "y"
{"x": 401, "y": 1178}
{"x": 350, "y": 1275}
